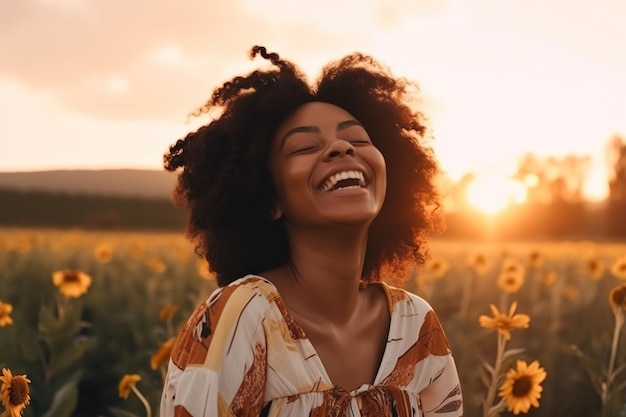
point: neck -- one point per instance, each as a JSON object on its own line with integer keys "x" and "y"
{"x": 325, "y": 272}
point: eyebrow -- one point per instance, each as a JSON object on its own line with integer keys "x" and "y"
{"x": 314, "y": 129}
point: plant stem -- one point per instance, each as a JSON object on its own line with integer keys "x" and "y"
{"x": 61, "y": 306}
{"x": 143, "y": 400}
{"x": 619, "y": 322}
{"x": 466, "y": 294}
{"x": 491, "y": 393}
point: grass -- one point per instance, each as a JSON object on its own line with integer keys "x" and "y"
{"x": 76, "y": 363}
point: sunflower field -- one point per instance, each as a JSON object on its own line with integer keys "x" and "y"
{"x": 88, "y": 320}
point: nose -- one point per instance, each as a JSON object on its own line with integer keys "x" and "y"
{"x": 339, "y": 148}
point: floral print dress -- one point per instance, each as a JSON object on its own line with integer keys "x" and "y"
{"x": 242, "y": 354}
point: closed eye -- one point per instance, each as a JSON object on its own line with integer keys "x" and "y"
{"x": 305, "y": 149}
{"x": 360, "y": 142}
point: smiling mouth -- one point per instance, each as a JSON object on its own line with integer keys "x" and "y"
{"x": 343, "y": 180}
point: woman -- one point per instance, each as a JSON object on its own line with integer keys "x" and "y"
{"x": 302, "y": 199}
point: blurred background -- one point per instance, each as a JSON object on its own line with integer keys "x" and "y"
{"x": 526, "y": 101}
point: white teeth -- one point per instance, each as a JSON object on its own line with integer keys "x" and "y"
{"x": 344, "y": 175}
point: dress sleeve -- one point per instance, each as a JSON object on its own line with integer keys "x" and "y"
{"x": 218, "y": 365}
{"x": 442, "y": 397}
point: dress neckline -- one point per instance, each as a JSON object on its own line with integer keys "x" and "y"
{"x": 288, "y": 317}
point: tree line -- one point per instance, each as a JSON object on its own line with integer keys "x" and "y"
{"x": 556, "y": 219}
{"x": 56, "y": 210}
{"x": 555, "y": 207}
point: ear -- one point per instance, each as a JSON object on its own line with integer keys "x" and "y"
{"x": 276, "y": 213}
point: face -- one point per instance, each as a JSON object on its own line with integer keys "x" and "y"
{"x": 326, "y": 169}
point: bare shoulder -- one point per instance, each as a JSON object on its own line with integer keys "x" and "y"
{"x": 404, "y": 300}
{"x": 376, "y": 305}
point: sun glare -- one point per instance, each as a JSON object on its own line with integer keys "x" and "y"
{"x": 492, "y": 194}
{"x": 596, "y": 187}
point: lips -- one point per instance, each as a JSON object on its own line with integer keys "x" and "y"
{"x": 344, "y": 179}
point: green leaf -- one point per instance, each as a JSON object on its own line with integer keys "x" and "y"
{"x": 511, "y": 352}
{"x": 488, "y": 368}
{"x": 53, "y": 327}
{"x": 48, "y": 321}
{"x": 486, "y": 377}
{"x": 590, "y": 366}
{"x": 118, "y": 412}
{"x": 28, "y": 344}
{"x": 72, "y": 352}
{"x": 65, "y": 398}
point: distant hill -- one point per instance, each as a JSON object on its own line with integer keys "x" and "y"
{"x": 113, "y": 182}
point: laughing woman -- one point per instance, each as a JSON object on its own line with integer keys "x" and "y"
{"x": 310, "y": 203}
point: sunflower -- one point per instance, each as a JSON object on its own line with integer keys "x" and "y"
{"x": 594, "y": 268}
{"x": 14, "y": 393}
{"x": 571, "y": 292}
{"x": 5, "y": 314}
{"x": 437, "y": 267}
{"x": 522, "y": 387}
{"x": 479, "y": 263}
{"x": 510, "y": 281}
{"x": 127, "y": 383}
{"x": 167, "y": 311}
{"x": 103, "y": 253}
{"x": 505, "y": 323}
{"x": 71, "y": 283}
{"x": 163, "y": 353}
{"x": 535, "y": 259}
{"x": 617, "y": 297}
{"x": 137, "y": 249}
{"x": 511, "y": 276}
{"x": 618, "y": 269}
{"x": 512, "y": 265}
{"x": 157, "y": 266}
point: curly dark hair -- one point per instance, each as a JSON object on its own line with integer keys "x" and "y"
{"x": 225, "y": 182}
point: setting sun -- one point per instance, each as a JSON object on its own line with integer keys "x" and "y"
{"x": 491, "y": 193}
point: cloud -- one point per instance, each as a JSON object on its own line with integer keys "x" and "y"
{"x": 499, "y": 75}
{"x": 145, "y": 58}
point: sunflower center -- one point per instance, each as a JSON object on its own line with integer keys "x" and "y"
{"x": 522, "y": 386}
{"x": 18, "y": 391}
{"x": 619, "y": 296}
{"x": 71, "y": 277}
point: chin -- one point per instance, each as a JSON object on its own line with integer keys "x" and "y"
{"x": 352, "y": 219}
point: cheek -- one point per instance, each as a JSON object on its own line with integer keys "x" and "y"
{"x": 381, "y": 181}
{"x": 291, "y": 181}
{"x": 380, "y": 168}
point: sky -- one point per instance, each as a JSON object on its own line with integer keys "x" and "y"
{"x": 110, "y": 84}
